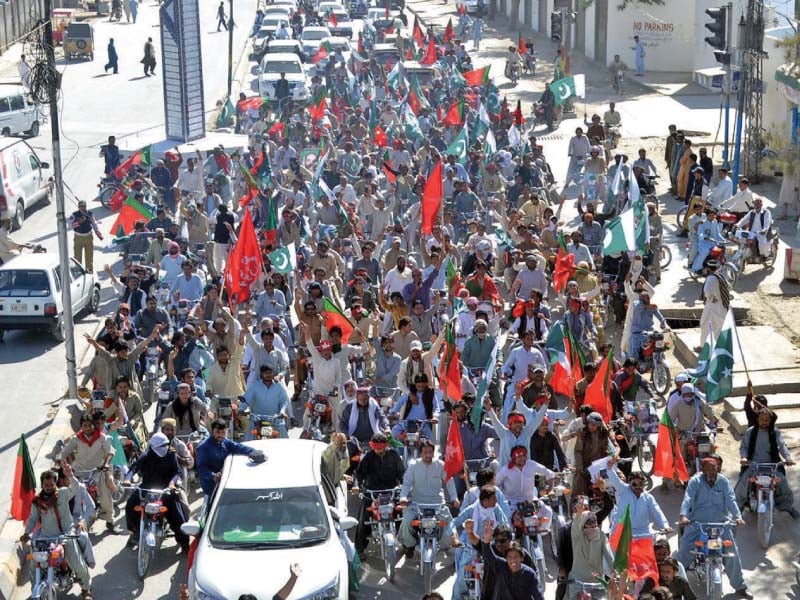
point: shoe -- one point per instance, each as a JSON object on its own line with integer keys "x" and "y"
{"x": 362, "y": 555}
{"x": 86, "y": 594}
{"x": 743, "y": 593}
{"x": 133, "y": 541}
{"x": 111, "y": 528}
{"x": 184, "y": 546}
{"x": 294, "y": 423}
{"x": 793, "y": 512}
{"x": 408, "y": 552}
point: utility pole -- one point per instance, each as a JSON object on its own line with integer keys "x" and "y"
{"x": 727, "y": 82}
{"x": 61, "y": 220}
{"x": 230, "y": 47}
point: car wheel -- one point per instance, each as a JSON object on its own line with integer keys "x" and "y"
{"x": 34, "y": 130}
{"x": 19, "y": 215}
{"x": 2, "y": 334}
{"x": 6, "y": 132}
{"x": 94, "y": 301}
{"x": 58, "y": 331}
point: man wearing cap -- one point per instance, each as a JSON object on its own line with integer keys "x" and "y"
{"x": 709, "y": 498}
{"x": 380, "y": 468}
{"x": 758, "y": 221}
{"x": 84, "y": 228}
{"x": 465, "y": 321}
{"x": 158, "y": 246}
{"x": 722, "y": 191}
{"x": 159, "y": 469}
{"x": 417, "y": 363}
{"x": 691, "y": 413}
{"x": 328, "y": 376}
{"x": 529, "y": 279}
{"x": 515, "y": 368}
{"x": 675, "y": 394}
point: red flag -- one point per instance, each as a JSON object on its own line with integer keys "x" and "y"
{"x": 253, "y": 102}
{"x": 454, "y": 114}
{"x": 418, "y": 35}
{"x": 519, "y": 308}
{"x": 518, "y": 118}
{"x": 564, "y": 271}
{"x": 668, "y": 461}
{"x": 388, "y": 7}
{"x": 453, "y": 450}
{"x": 449, "y": 32}
{"x": 117, "y": 200}
{"x": 380, "y": 137}
{"x": 190, "y": 556}
{"x": 450, "y": 367}
{"x": 335, "y": 317}
{"x": 360, "y": 44}
{"x": 637, "y": 553}
{"x": 317, "y": 113}
{"x": 430, "y": 54}
{"x": 131, "y": 212}
{"x": 414, "y": 102}
{"x": 477, "y": 76}
{"x": 277, "y": 129}
{"x": 244, "y": 262}
{"x": 409, "y": 55}
{"x": 521, "y": 46}
{"x": 462, "y": 9}
{"x": 332, "y": 19}
{"x": 432, "y": 195}
{"x": 567, "y": 370}
{"x": 24, "y": 490}
{"x": 134, "y": 159}
{"x": 598, "y": 393}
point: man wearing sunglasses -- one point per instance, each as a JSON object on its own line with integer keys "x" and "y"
{"x": 643, "y": 505}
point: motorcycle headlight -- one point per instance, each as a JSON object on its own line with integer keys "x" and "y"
{"x": 329, "y": 592}
{"x": 714, "y": 544}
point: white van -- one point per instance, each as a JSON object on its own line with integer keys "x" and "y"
{"x": 18, "y": 115}
{"x": 23, "y": 180}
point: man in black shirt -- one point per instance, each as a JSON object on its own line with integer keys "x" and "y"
{"x": 222, "y": 237}
{"x": 281, "y": 89}
{"x": 380, "y": 469}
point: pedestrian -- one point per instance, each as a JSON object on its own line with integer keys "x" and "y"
{"x": 112, "y": 57}
{"x": 110, "y": 154}
{"x": 85, "y": 228}
{"x": 638, "y": 55}
{"x": 127, "y": 10}
{"x": 133, "y": 6}
{"x": 149, "y": 60}
{"x": 477, "y": 32}
{"x": 221, "y": 22}
{"x": 24, "y": 72}
{"x": 716, "y": 299}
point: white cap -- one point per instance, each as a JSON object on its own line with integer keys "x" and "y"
{"x": 687, "y": 388}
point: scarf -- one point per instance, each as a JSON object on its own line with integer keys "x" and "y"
{"x": 180, "y": 412}
{"x": 587, "y": 554}
{"x": 88, "y": 441}
{"x": 724, "y": 290}
{"x": 411, "y": 371}
{"x": 372, "y": 411}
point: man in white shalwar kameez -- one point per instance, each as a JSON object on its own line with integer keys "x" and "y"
{"x": 716, "y": 295}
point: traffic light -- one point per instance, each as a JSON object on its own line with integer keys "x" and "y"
{"x": 718, "y": 26}
{"x": 556, "y": 26}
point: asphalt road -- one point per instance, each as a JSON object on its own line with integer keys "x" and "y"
{"x": 93, "y": 106}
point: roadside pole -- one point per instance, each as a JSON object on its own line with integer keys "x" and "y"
{"x": 727, "y": 83}
{"x": 231, "y": 25}
{"x": 61, "y": 220}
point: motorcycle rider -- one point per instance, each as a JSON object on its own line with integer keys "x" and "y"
{"x": 709, "y": 234}
{"x": 51, "y": 517}
{"x": 189, "y": 412}
{"x": 759, "y": 220}
{"x": 83, "y": 511}
{"x": 548, "y": 102}
{"x": 764, "y": 443}
{"x": 266, "y": 397}
{"x": 615, "y": 68}
{"x": 327, "y": 374}
{"x": 380, "y": 468}
{"x": 690, "y": 413}
{"x": 589, "y": 549}
{"x": 644, "y": 313}
{"x": 517, "y": 363}
{"x": 513, "y": 61}
{"x": 92, "y": 450}
{"x": 520, "y": 428}
{"x": 362, "y": 419}
{"x": 159, "y": 469}
{"x": 644, "y": 508}
{"x": 425, "y": 478}
{"x": 8, "y": 247}
{"x": 709, "y": 498}
{"x": 517, "y": 480}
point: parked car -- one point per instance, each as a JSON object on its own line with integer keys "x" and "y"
{"x": 265, "y": 517}
{"x": 18, "y": 114}
{"x": 23, "y": 180}
{"x": 30, "y": 293}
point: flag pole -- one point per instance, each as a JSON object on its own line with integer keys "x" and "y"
{"x": 738, "y": 343}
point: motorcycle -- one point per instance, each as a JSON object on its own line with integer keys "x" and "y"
{"x": 52, "y": 574}
{"x": 319, "y": 418}
{"x": 592, "y": 190}
{"x": 162, "y": 294}
{"x": 729, "y": 221}
{"x": 152, "y": 527}
{"x": 91, "y": 479}
{"x": 748, "y": 253}
{"x": 384, "y": 519}
{"x": 708, "y": 561}
{"x": 385, "y": 397}
{"x": 619, "y": 83}
{"x": 164, "y": 400}
{"x": 358, "y": 369}
{"x": 762, "y": 497}
{"x": 589, "y": 590}
{"x": 413, "y": 435}
{"x": 427, "y": 528}
{"x": 557, "y": 497}
{"x": 699, "y": 445}
{"x": 191, "y": 440}
{"x": 512, "y": 72}
{"x": 529, "y": 524}
{"x": 474, "y": 577}
{"x": 179, "y": 312}
{"x": 529, "y": 66}
{"x": 653, "y": 360}
{"x": 152, "y": 375}
{"x": 613, "y": 136}
{"x": 108, "y": 186}
{"x": 540, "y": 115}
{"x": 225, "y": 411}
{"x": 719, "y": 254}
{"x": 265, "y": 427}
{"x": 475, "y": 465}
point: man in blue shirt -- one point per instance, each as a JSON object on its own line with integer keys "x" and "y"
{"x": 709, "y": 498}
{"x": 644, "y": 507}
{"x": 643, "y": 315}
{"x": 387, "y": 365}
{"x": 188, "y": 286}
{"x": 266, "y": 398}
{"x": 211, "y": 455}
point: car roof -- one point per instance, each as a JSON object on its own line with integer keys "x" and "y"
{"x": 279, "y": 56}
{"x": 335, "y": 39}
{"x": 315, "y": 28}
{"x": 283, "y": 43}
{"x": 32, "y": 261}
{"x": 290, "y": 463}
{"x": 415, "y": 66}
{"x": 385, "y": 47}
{"x": 6, "y": 143}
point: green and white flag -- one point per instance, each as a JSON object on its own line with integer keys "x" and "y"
{"x": 566, "y": 88}
{"x": 701, "y": 370}
{"x": 482, "y": 124}
{"x": 620, "y": 233}
{"x": 514, "y": 137}
{"x": 284, "y": 259}
{"x": 641, "y": 218}
{"x": 395, "y": 77}
{"x": 412, "y": 128}
{"x": 483, "y": 386}
{"x": 491, "y": 147}
{"x": 460, "y": 146}
{"x": 719, "y": 381}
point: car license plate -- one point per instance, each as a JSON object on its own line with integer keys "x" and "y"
{"x": 19, "y": 308}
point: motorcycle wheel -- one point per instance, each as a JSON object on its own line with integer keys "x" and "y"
{"x": 681, "y": 216}
{"x": 660, "y": 377}
{"x": 541, "y": 569}
{"x": 427, "y": 576}
{"x": 731, "y": 274}
{"x": 389, "y": 559}
{"x": 764, "y": 528}
{"x": 555, "y": 526}
{"x": 770, "y": 262}
{"x": 715, "y": 589}
{"x": 644, "y": 455}
{"x": 119, "y": 491}
{"x": 143, "y": 555}
{"x": 50, "y": 593}
{"x": 105, "y": 196}
{"x": 665, "y": 257}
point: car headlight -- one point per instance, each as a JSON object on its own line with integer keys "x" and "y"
{"x": 329, "y": 592}
{"x": 201, "y": 594}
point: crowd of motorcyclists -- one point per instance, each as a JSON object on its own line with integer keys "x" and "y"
{"x": 367, "y": 375}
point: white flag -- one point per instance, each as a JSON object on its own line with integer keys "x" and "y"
{"x": 580, "y": 85}
{"x": 491, "y": 142}
{"x": 514, "y": 138}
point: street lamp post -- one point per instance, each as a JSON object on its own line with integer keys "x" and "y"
{"x": 230, "y": 46}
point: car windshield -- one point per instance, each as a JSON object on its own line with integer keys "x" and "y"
{"x": 24, "y": 283}
{"x": 343, "y": 46}
{"x": 275, "y": 517}
{"x": 314, "y": 35}
{"x": 272, "y": 23}
{"x": 282, "y": 66}
{"x": 424, "y": 76}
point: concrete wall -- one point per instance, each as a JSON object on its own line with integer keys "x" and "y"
{"x": 588, "y": 42}
{"x": 776, "y": 116}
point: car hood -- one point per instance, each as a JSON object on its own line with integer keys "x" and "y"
{"x": 227, "y": 573}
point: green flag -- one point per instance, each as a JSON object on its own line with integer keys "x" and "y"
{"x": 701, "y": 370}
{"x": 225, "y": 118}
{"x": 568, "y": 87}
{"x": 554, "y": 344}
{"x": 284, "y": 259}
{"x": 719, "y": 382}
{"x": 147, "y": 155}
{"x": 412, "y": 128}
{"x": 620, "y": 233}
{"x": 483, "y": 387}
{"x": 460, "y": 146}
{"x": 622, "y": 555}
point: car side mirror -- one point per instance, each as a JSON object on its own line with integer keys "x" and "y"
{"x": 44, "y": 165}
{"x": 191, "y": 528}
{"x": 347, "y": 523}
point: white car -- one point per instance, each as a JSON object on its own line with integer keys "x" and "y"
{"x": 311, "y": 38}
{"x": 280, "y": 10}
{"x": 337, "y": 45}
{"x": 267, "y": 516}
{"x": 285, "y": 47}
{"x": 344, "y": 24}
{"x": 272, "y": 65}
{"x": 30, "y": 293}
{"x": 23, "y": 180}
{"x": 327, "y": 6}
{"x": 378, "y": 19}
